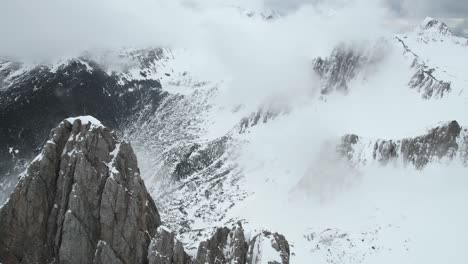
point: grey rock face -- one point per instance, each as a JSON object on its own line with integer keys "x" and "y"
{"x": 444, "y": 141}
{"x": 225, "y": 246}
{"x": 338, "y": 70}
{"x": 230, "y": 246}
{"x": 438, "y": 142}
{"x": 274, "y": 240}
{"x": 81, "y": 201}
{"x": 166, "y": 249}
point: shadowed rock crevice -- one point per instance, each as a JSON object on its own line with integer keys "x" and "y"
{"x": 81, "y": 201}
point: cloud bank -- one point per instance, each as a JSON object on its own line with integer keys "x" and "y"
{"x": 57, "y": 28}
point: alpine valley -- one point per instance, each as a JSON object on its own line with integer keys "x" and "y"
{"x": 355, "y": 154}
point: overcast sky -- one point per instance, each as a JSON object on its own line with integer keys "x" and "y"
{"x": 55, "y": 27}
{"x": 453, "y": 12}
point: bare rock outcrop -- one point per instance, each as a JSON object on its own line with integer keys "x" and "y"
{"x": 166, "y": 249}
{"x": 81, "y": 200}
{"x": 266, "y": 240}
{"x": 446, "y": 141}
{"x": 225, "y": 246}
{"x": 232, "y": 246}
{"x": 337, "y": 71}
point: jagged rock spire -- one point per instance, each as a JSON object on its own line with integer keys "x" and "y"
{"x": 82, "y": 200}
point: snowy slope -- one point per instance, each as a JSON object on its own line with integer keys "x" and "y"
{"x": 284, "y": 174}
{"x": 440, "y": 49}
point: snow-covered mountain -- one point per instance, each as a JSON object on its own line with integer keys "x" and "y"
{"x": 361, "y": 171}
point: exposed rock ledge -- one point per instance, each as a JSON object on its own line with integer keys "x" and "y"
{"x": 82, "y": 200}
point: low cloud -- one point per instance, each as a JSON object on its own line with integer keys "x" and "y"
{"x": 262, "y": 58}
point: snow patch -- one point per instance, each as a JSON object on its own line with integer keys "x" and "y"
{"x": 86, "y": 120}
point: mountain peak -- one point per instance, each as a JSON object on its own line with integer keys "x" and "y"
{"x": 433, "y": 25}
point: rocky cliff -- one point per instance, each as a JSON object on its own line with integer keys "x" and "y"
{"x": 82, "y": 200}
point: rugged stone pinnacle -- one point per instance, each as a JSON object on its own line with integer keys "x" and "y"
{"x": 82, "y": 200}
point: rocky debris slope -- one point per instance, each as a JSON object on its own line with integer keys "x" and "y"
{"x": 206, "y": 180}
{"x": 211, "y": 185}
{"x": 163, "y": 136}
{"x": 447, "y": 141}
{"x": 82, "y": 200}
